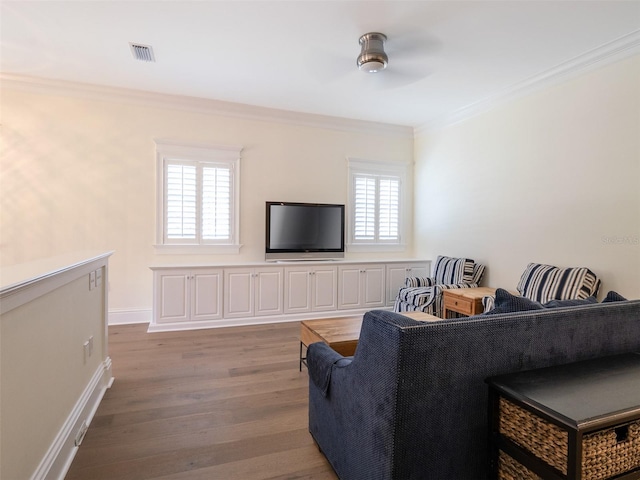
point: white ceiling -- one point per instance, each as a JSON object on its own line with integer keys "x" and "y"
{"x": 300, "y": 55}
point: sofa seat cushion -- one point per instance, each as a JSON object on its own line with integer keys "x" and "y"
{"x": 572, "y": 302}
{"x": 544, "y": 283}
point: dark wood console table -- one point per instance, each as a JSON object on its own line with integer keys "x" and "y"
{"x": 575, "y": 421}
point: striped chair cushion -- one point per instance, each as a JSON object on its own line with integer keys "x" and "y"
{"x": 543, "y": 283}
{"x": 418, "y": 282}
{"x": 449, "y": 270}
{"x": 488, "y": 303}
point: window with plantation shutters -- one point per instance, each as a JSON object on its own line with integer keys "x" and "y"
{"x": 375, "y": 216}
{"x": 181, "y": 199}
{"x": 197, "y": 201}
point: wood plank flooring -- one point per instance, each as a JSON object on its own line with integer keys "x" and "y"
{"x": 225, "y": 403}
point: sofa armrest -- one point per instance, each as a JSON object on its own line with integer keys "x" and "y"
{"x": 419, "y": 282}
{"x": 417, "y": 296}
{"x": 354, "y": 423}
{"x": 321, "y": 360}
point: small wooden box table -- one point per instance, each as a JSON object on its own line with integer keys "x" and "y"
{"x": 467, "y": 301}
{"x": 579, "y": 421}
{"x": 342, "y": 333}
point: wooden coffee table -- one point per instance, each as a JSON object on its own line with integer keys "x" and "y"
{"x": 341, "y": 333}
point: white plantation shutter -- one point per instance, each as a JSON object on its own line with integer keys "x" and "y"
{"x": 216, "y": 203}
{"x": 181, "y": 201}
{"x": 389, "y": 201}
{"x": 198, "y": 197}
{"x": 365, "y": 208}
{"x": 376, "y": 194}
{"x": 198, "y": 202}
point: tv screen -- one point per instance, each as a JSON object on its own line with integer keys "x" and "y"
{"x": 299, "y": 231}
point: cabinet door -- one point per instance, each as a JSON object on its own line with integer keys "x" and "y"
{"x": 361, "y": 286}
{"x": 373, "y": 287}
{"x": 297, "y": 290}
{"x": 397, "y": 273}
{"x": 172, "y": 302}
{"x": 324, "y": 291}
{"x": 268, "y": 291}
{"x": 349, "y": 287}
{"x": 238, "y": 293}
{"x": 206, "y": 297}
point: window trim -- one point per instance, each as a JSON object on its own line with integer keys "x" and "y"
{"x": 202, "y": 154}
{"x": 374, "y": 168}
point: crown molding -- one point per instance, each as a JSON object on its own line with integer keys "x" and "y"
{"x": 616, "y": 50}
{"x": 197, "y": 105}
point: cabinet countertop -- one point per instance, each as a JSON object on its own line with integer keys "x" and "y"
{"x": 301, "y": 263}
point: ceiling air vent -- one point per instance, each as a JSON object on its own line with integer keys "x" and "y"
{"x": 144, "y": 53}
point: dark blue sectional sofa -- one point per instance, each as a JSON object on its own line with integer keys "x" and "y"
{"x": 412, "y": 402}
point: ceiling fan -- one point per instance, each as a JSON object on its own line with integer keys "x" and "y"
{"x": 372, "y": 58}
{"x": 408, "y": 51}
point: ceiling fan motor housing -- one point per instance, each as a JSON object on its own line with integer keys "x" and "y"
{"x": 372, "y": 57}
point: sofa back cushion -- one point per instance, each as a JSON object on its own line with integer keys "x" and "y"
{"x": 450, "y": 270}
{"x": 544, "y": 283}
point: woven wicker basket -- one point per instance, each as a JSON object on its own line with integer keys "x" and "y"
{"x": 509, "y": 469}
{"x": 605, "y": 453}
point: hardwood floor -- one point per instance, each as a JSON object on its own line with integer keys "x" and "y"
{"x": 225, "y": 403}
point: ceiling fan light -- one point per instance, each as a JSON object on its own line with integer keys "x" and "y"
{"x": 372, "y": 66}
{"x": 372, "y": 57}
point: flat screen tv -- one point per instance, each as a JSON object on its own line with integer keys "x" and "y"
{"x": 304, "y": 231}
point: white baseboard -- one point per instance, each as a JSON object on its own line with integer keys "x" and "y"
{"x": 240, "y": 322}
{"x": 125, "y": 317}
{"x": 58, "y": 458}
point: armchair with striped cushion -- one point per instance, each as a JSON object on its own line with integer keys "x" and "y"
{"x": 425, "y": 293}
{"x": 544, "y": 283}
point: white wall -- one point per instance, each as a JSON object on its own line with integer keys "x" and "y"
{"x": 50, "y": 383}
{"x": 553, "y": 177}
{"x": 78, "y": 172}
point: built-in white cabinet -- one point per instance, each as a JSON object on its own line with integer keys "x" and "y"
{"x": 361, "y": 286}
{"x": 184, "y": 295}
{"x": 310, "y": 289}
{"x": 252, "y": 292}
{"x": 397, "y": 273}
{"x": 213, "y": 295}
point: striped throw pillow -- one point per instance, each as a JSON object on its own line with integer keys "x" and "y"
{"x": 450, "y": 270}
{"x": 478, "y": 271}
{"x": 544, "y": 283}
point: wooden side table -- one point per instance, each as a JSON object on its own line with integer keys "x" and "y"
{"x": 467, "y": 301}
{"x": 577, "y": 421}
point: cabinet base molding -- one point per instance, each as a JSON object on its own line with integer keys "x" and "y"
{"x": 239, "y": 322}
